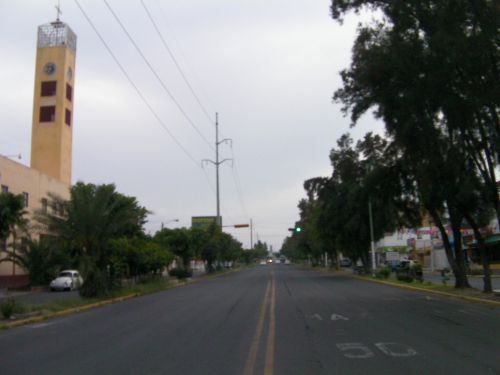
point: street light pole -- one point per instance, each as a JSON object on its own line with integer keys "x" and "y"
{"x": 170, "y": 221}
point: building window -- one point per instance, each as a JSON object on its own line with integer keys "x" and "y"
{"x": 67, "y": 117}
{"x": 57, "y": 208}
{"x": 3, "y": 245}
{"x": 60, "y": 209}
{"x": 5, "y": 189}
{"x": 26, "y": 198}
{"x": 48, "y": 113}
{"x": 69, "y": 92}
{"x": 45, "y": 205}
{"x": 49, "y": 88}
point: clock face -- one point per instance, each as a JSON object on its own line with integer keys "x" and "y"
{"x": 49, "y": 68}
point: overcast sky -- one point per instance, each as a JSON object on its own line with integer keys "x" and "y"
{"x": 268, "y": 67}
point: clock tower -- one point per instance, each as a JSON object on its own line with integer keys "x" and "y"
{"x": 52, "y": 127}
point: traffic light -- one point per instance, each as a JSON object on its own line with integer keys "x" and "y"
{"x": 297, "y": 229}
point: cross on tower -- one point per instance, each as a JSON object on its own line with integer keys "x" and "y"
{"x": 58, "y": 9}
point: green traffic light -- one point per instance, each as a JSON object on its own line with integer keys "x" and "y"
{"x": 298, "y": 229}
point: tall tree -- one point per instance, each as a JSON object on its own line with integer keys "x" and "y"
{"x": 430, "y": 68}
{"x": 180, "y": 242}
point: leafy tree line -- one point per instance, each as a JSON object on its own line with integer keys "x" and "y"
{"x": 101, "y": 232}
{"x": 430, "y": 71}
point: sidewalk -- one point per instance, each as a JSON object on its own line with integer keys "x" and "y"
{"x": 475, "y": 281}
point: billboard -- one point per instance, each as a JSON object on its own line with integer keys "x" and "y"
{"x": 203, "y": 222}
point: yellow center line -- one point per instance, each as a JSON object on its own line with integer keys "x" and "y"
{"x": 269, "y": 364}
{"x": 252, "y": 355}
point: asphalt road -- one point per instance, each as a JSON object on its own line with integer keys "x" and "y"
{"x": 269, "y": 320}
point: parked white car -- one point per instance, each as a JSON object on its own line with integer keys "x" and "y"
{"x": 66, "y": 280}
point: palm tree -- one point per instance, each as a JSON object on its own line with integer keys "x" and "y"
{"x": 85, "y": 224}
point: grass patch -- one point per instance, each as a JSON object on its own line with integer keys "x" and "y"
{"x": 57, "y": 306}
{"x": 423, "y": 285}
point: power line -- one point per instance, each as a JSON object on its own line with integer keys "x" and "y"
{"x": 175, "y": 61}
{"x": 143, "y": 98}
{"x": 145, "y": 101}
{"x": 235, "y": 174}
{"x": 163, "y": 85}
{"x": 223, "y": 208}
{"x": 237, "y": 183}
{"x": 186, "y": 60}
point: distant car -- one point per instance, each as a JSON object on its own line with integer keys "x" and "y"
{"x": 66, "y": 280}
{"x": 345, "y": 262}
{"x": 263, "y": 262}
{"x": 406, "y": 264}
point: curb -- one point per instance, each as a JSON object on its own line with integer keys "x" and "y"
{"x": 40, "y": 318}
{"x": 410, "y": 287}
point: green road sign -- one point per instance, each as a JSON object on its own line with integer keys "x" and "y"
{"x": 203, "y": 222}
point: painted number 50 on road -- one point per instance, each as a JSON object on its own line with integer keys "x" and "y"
{"x": 358, "y": 350}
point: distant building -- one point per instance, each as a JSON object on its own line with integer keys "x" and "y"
{"x": 52, "y": 132}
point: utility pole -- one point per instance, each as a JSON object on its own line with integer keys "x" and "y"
{"x": 217, "y": 163}
{"x": 251, "y": 234}
{"x": 372, "y": 240}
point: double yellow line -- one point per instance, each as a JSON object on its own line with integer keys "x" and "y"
{"x": 269, "y": 301}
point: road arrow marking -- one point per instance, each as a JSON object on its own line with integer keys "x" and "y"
{"x": 338, "y": 317}
{"x": 315, "y": 316}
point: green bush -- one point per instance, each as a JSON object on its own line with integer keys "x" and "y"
{"x": 180, "y": 273}
{"x": 384, "y": 273}
{"x": 416, "y": 272}
{"x": 404, "y": 276}
{"x": 95, "y": 285}
{"x": 9, "y": 307}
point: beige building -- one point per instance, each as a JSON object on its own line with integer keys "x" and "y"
{"x": 52, "y": 130}
{"x": 35, "y": 187}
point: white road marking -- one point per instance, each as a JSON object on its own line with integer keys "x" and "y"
{"x": 355, "y": 350}
{"x": 316, "y": 316}
{"x": 394, "y": 349}
{"x": 338, "y": 317}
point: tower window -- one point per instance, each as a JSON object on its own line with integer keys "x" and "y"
{"x": 49, "y": 88}
{"x": 69, "y": 92}
{"x": 67, "y": 117}
{"x": 48, "y": 113}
